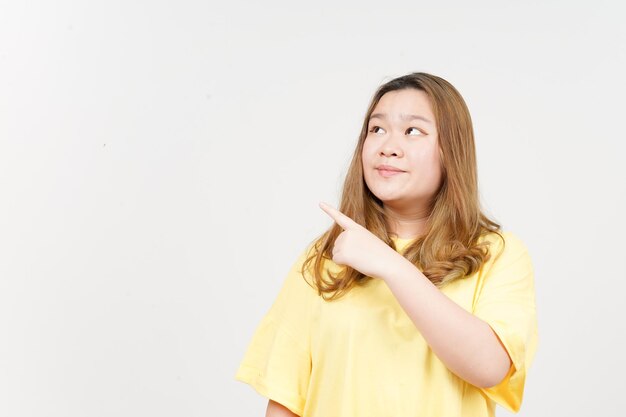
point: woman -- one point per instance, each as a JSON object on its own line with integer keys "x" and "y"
{"x": 413, "y": 303}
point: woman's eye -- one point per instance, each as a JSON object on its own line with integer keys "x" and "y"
{"x": 374, "y": 130}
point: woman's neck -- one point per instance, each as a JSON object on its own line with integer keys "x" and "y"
{"x": 406, "y": 224}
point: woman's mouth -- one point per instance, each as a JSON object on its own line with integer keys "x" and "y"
{"x": 388, "y": 173}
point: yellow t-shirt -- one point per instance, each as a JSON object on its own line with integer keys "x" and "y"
{"x": 361, "y": 355}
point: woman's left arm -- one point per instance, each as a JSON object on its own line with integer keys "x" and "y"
{"x": 465, "y": 344}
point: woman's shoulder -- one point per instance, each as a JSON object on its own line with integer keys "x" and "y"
{"x": 504, "y": 245}
{"x": 504, "y": 238}
{"x": 327, "y": 265}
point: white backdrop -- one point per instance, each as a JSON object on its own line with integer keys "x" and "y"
{"x": 161, "y": 165}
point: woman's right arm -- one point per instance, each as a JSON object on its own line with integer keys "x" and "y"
{"x": 275, "y": 409}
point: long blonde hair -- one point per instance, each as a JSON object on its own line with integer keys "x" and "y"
{"x": 449, "y": 248}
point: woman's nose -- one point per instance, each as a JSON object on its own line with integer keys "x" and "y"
{"x": 391, "y": 147}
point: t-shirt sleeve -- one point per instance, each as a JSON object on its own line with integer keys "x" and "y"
{"x": 507, "y": 303}
{"x": 277, "y": 363}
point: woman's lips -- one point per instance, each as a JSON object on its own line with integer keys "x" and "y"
{"x": 388, "y": 173}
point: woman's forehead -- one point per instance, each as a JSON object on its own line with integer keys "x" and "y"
{"x": 404, "y": 105}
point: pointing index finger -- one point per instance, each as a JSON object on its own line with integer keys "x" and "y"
{"x": 342, "y": 220}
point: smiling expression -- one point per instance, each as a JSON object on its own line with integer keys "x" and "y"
{"x": 402, "y": 134}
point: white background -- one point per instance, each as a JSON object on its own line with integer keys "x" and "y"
{"x": 161, "y": 165}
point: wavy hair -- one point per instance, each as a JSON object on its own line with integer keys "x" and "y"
{"x": 450, "y": 248}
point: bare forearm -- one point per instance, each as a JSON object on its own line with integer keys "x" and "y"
{"x": 465, "y": 344}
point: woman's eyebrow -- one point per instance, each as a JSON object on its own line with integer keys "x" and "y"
{"x": 406, "y": 117}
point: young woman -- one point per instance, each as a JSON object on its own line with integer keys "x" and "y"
{"x": 413, "y": 303}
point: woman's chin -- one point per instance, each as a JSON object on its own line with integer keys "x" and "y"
{"x": 388, "y": 198}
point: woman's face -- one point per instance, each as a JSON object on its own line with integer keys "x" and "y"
{"x": 402, "y": 134}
